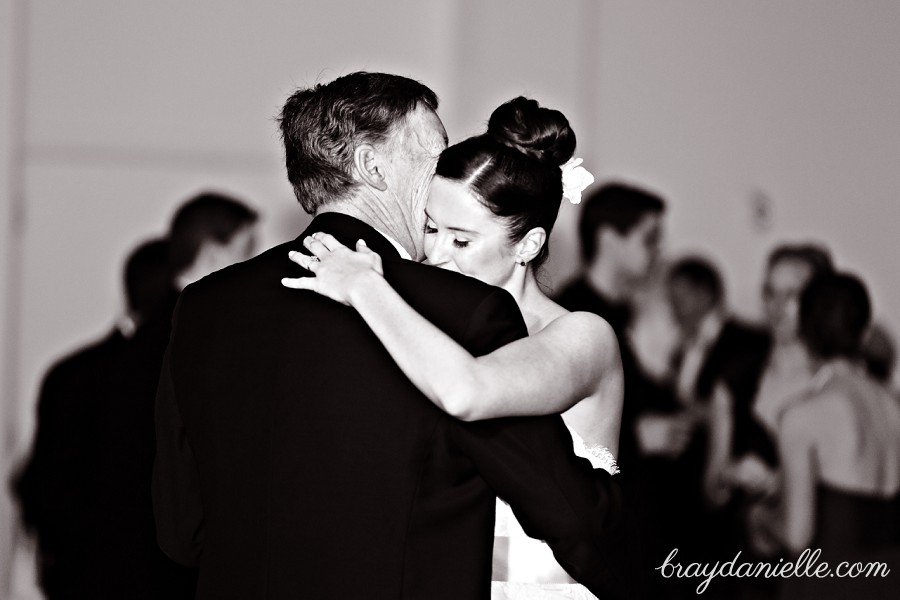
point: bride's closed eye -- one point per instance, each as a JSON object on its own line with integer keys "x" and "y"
{"x": 431, "y": 229}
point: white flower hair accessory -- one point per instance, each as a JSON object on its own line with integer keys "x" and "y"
{"x": 575, "y": 179}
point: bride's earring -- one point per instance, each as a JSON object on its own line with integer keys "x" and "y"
{"x": 529, "y": 247}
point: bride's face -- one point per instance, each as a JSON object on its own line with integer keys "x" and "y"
{"x": 462, "y": 235}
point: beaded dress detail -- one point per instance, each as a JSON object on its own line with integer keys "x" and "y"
{"x": 532, "y": 572}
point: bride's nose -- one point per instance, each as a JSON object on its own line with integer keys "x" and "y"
{"x": 436, "y": 254}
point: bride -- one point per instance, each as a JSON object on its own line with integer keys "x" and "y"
{"x": 491, "y": 207}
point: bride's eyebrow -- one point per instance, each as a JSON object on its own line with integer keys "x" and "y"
{"x": 462, "y": 230}
{"x": 457, "y": 229}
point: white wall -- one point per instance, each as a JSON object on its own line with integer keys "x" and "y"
{"x": 10, "y": 39}
{"x": 6, "y": 193}
{"x": 718, "y": 103}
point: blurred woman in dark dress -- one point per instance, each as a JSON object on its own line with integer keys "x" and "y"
{"x": 743, "y": 460}
{"x": 840, "y": 449}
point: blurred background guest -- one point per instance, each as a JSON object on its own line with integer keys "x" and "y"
{"x": 789, "y": 269}
{"x": 717, "y": 351}
{"x": 620, "y": 231}
{"x": 744, "y": 413}
{"x": 879, "y": 354}
{"x": 208, "y": 233}
{"x": 840, "y": 445}
{"x": 81, "y": 492}
{"x": 85, "y": 491}
{"x": 714, "y": 341}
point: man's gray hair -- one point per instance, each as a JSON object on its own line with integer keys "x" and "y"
{"x": 321, "y": 126}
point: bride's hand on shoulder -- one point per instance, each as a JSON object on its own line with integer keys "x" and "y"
{"x": 340, "y": 273}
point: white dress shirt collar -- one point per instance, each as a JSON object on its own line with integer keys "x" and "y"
{"x": 400, "y": 249}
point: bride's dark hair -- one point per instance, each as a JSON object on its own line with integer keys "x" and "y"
{"x": 514, "y": 167}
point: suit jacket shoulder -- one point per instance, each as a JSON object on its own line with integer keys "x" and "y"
{"x": 459, "y": 305}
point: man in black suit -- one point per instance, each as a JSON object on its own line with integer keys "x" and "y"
{"x": 84, "y": 491}
{"x": 295, "y": 460}
{"x": 620, "y": 231}
{"x": 717, "y": 350}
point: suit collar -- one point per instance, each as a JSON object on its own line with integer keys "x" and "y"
{"x": 347, "y": 230}
{"x": 400, "y": 249}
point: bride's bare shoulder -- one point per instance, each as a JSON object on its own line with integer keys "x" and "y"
{"x": 584, "y": 327}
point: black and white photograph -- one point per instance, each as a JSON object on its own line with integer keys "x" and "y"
{"x": 449, "y": 300}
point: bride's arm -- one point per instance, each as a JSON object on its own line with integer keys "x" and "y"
{"x": 542, "y": 374}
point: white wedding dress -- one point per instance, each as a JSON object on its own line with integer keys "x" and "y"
{"x": 531, "y": 571}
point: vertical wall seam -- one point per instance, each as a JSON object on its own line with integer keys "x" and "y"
{"x": 12, "y": 402}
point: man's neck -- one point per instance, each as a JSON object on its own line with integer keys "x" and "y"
{"x": 606, "y": 280}
{"x": 372, "y": 212}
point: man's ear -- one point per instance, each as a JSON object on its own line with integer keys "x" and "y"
{"x": 530, "y": 245}
{"x": 367, "y": 162}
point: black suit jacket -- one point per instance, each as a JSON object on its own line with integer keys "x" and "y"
{"x": 56, "y": 486}
{"x": 737, "y": 360}
{"x": 85, "y": 490}
{"x": 295, "y": 460}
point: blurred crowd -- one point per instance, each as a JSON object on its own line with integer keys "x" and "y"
{"x": 765, "y": 438}
{"x": 84, "y": 491}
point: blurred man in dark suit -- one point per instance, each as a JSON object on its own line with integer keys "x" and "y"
{"x": 620, "y": 230}
{"x": 717, "y": 349}
{"x": 85, "y": 491}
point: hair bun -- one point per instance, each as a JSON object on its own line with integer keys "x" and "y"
{"x": 541, "y": 133}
